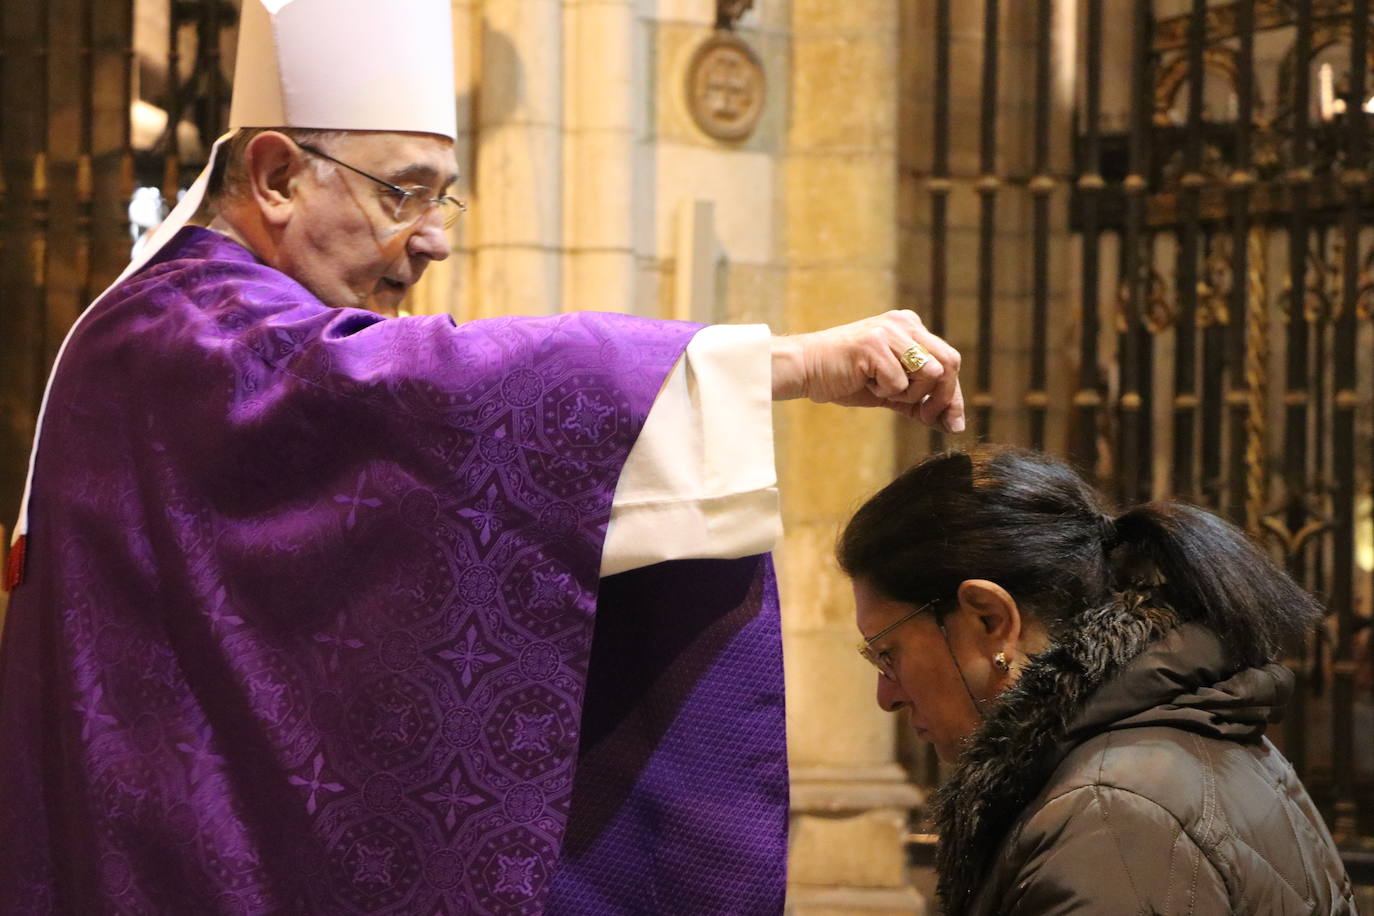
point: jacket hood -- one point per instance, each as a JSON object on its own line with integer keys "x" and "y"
{"x": 1122, "y": 666}
{"x": 1184, "y": 680}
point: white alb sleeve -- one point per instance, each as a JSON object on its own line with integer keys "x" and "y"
{"x": 700, "y": 480}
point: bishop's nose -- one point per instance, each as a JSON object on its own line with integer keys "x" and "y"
{"x": 429, "y": 239}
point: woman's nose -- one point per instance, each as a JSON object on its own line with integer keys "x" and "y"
{"x": 889, "y": 694}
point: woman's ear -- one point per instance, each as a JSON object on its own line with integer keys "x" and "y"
{"x": 992, "y": 610}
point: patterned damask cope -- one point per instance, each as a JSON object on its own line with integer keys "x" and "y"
{"x": 310, "y": 604}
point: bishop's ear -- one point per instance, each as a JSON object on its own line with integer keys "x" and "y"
{"x": 271, "y": 163}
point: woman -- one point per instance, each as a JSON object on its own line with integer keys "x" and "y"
{"x": 1101, "y": 685}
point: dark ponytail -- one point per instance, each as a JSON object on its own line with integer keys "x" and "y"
{"x": 1031, "y": 524}
{"x": 1212, "y": 573}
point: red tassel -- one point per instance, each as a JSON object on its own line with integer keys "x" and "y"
{"x": 14, "y": 566}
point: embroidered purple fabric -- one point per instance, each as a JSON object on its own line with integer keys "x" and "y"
{"x": 308, "y": 624}
{"x": 682, "y": 735}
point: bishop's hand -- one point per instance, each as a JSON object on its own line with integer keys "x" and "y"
{"x": 860, "y": 364}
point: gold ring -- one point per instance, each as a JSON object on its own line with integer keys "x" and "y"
{"x": 913, "y": 358}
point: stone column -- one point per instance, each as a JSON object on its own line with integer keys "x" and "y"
{"x": 605, "y": 79}
{"x": 850, "y": 799}
{"x": 516, "y": 223}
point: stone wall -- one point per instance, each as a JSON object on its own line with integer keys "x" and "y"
{"x": 850, "y": 799}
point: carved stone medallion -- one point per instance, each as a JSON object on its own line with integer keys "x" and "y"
{"x": 726, "y": 87}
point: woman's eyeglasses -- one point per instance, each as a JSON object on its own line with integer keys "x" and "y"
{"x": 881, "y": 660}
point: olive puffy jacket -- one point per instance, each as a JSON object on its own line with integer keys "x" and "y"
{"x": 1127, "y": 772}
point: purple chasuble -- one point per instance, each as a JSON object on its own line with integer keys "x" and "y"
{"x": 307, "y": 624}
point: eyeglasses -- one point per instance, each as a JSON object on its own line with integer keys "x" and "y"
{"x": 881, "y": 660}
{"x": 406, "y": 205}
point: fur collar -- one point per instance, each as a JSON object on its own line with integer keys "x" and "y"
{"x": 1007, "y": 761}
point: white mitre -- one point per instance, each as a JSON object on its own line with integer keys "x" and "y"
{"x": 334, "y": 65}
{"x": 346, "y": 65}
{"x": 325, "y": 64}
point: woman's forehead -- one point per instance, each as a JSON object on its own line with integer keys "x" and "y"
{"x": 871, "y": 607}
